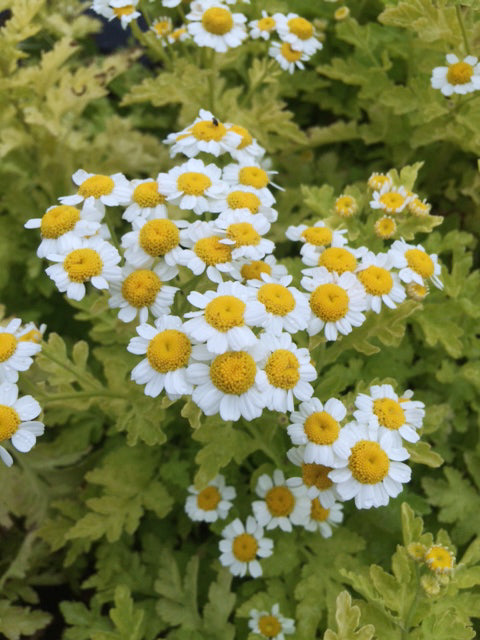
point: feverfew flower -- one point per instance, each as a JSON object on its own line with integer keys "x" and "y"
{"x": 205, "y": 250}
{"x": 178, "y": 35}
{"x": 241, "y": 546}
{"x": 15, "y": 353}
{"x": 153, "y": 239}
{"x": 379, "y": 282}
{"x": 385, "y": 410}
{"x": 162, "y": 26}
{"x": 263, "y": 27}
{"x": 281, "y": 506}
{"x": 145, "y": 201}
{"x": 213, "y": 25}
{"x": 370, "y": 468}
{"x": 419, "y": 207}
{"x": 324, "y": 520}
{"x": 248, "y": 200}
{"x": 439, "y": 559}
{"x": 298, "y": 32}
{"x": 378, "y": 181}
{"x": 249, "y": 175}
{"x": 167, "y": 348}
{"x": 99, "y": 190}
{"x": 317, "y": 426}
{"x": 244, "y": 231}
{"x": 17, "y": 421}
{"x": 316, "y": 237}
{"x": 212, "y": 503}
{"x": 247, "y": 270}
{"x": 248, "y": 150}
{"x": 415, "y": 264}
{"x": 385, "y": 227}
{"x": 287, "y": 57}
{"x": 271, "y": 624}
{"x": 315, "y": 478}
{"x": 461, "y": 76}
{"x": 125, "y": 11}
{"x": 346, "y": 206}
{"x": 390, "y": 199}
{"x": 84, "y": 260}
{"x": 334, "y": 259}
{"x": 205, "y": 134}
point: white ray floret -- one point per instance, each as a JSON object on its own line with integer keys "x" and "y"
{"x": 211, "y": 503}
{"x": 243, "y": 199}
{"x": 334, "y": 258}
{"x": 99, "y": 190}
{"x": 206, "y": 134}
{"x": 316, "y": 237}
{"x": 315, "y": 478}
{"x": 244, "y": 232}
{"x": 381, "y": 284}
{"x": 390, "y": 199}
{"x": 281, "y": 506}
{"x": 324, "y": 520}
{"x": 205, "y": 251}
{"x": 17, "y": 422}
{"x": 248, "y": 270}
{"x": 415, "y": 264}
{"x": 460, "y": 76}
{"x": 241, "y": 545}
{"x": 288, "y": 57}
{"x": 248, "y": 150}
{"x": 145, "y": 201}
{"x": 211, "y": 24}
{"x": 151, "y": 240}
{"x": 15, "y": 351}
{"x": 271, "y": 624}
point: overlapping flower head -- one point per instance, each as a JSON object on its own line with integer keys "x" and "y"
{"x": 236, "y": 340}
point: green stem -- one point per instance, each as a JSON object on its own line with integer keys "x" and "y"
{"x": 79, "y": 376}
{"x": 462, "y": 29}
{"x": 211, "y": 81}
{"x": 111, "y": 228}
{"x": 83, "y": 394}
{"x": 411, "y": 612}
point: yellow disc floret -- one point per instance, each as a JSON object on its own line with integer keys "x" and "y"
{"x": 34, "y": 335}
{"x": 243, "y": 200}
{"x": 376, "y": 280}
{"x": 253, "y": 270}
{"x": 169, "y": 350}
{"x": 147, "y": 195}
{"x": 211, "y": 251}
{"x": 345, "y": 206}
{"x": 341, "y": 13}
{"x": 291, "y": 55}
{"x": 208, "y": 499}
{"x": 321, "y": 428}
{"x": 244, "y": 134}
{"x": 8, "y": 344}
{"x": 385, "y": 227}
{"x": 123, "y": 11}
{"x": 317, "y": 512}
{"x": 269, "y": 626}
{"x": 158, "y": 237}
{"x": 243, "y": 233}
{"x": 316, "y": 475}
{"x": 337, "y": 259}
{"x": 389, "y": 413}
{"x": 318, "y": 236}
{"x": 193, "y": 183}
{"x": 140, "y": 288}
{"x": 459, "y": 73}
{"x": 439, "y": 559}
{"x": 233, "y": 372}
{"x": 58, "y": 221}
{"x": 420, "y": 262}
{"x": 245, "y": 547}
{"x": 378, "y": 180}
{"x": 208, "y": 130}
{"x": 217, "y": 20}
{"x": 417, "y": 291}
{"x": 301, "y": 28}
{"x": 225, "y": 312}
{"x": 266, "y": 24}
{"x": 253, "y": 177}
{"x": 280, "y": 501}
{"x": 276, "y": 298}
{"x": 282, "y": 369}
{"x": 329, "y": 302}
{"x": 162, "y": 27}
{"x": 96, "y": 186}
{"x": 392, "y": 201}
{"x": 9, "y": 421}
{"x": 419, "y": 208}
{"x": 83, "y": 264}
{"x": 368, "y": 462}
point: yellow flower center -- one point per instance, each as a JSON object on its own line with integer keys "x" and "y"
{"x": 341, "y": 13}
{"x": 318, "y": 236}
{"x": 162, "y": 27}
{"x": 269, "y": 626}
{"x": 345, "y": 206}
{"x": 321, "y": 428}
{"x": 96, "y": 186}
{"x": 337, "y": 259}
{"x": 207, "y": 130}
{"x": 392, "y": 201}
{"x": 243, "y": 233}
{"x": 217, "y": 20}
{"x": 253, "y": 177}
{"x": 368, "y": 462}
{"x": 316, "y": 475}
{"x": 276, "y": 298}
{"x": 225, "y": 312}
{"x": 211, "y": 251}
{"x": 245, "y": 135}
{"x": 58, "y": 221}
{"x": 208, "y": 499}
{"x": 140, "y": 288}
{"x": 385, "y": 227}
{"x": 158, "y": 237}
{"x": 8, "y": 344}
{"x": 291, "y": 55}
{"x": 419, "y": 208}
{"x": 329, "y": 302}
{"x": 282, "y": 369}
{"x": 178, "y": 33}
{"x": 34, "y": 335}
{"x": 389, "y": 413}
{"x": 266, "y": 24}
{"x": 459, "y": 73}
{"x": 233, "y": 372}
{"x": 243, "y": 200}
{"x": 169, "y": 350}
{"x": 301, "y": 28}
{"x": 83, "y": 264}
{"x": 439, "y": 559}
{"x": 417, "y": 291}
{"x": 9, "y": 421}
{"x": 193, "y": 183}
{"x": 420, "y": 262}
{"x": 317, "y": 512}
{"x": 147, "y": 195}
{"x": 376, "y": 280}
{"x": 123, "y": 11}
{"x": 253, "y": 270}
{"x": 245, "y": 547}
{"x": 377, "y": 180}
{"x": 280, "y": 501}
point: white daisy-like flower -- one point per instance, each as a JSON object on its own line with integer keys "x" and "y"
{"x": 193, "y": 186}
{"x": 281, "y": 506}
{"x": 248, "y": 200}
{"x": 263, "y": 27}
{"x": 460, "y": 76}
{"x": 379, "y": 181}
{"x": 241, "y": 545}
{"x": 61, "y": 222}
{"x": 205, "y": 251}
{"x": 211, "y": 503}
{"x": 317, "y": 426}
{"x": 153, "y": 239}
{"x": 229, "y": 383}
{"x": 125, "y": 11}
{"x": 287, "y": 57}
{"x": 248, "y": 150}
{"x": 15, "y": 353}
{"x": 213, "y": 25}
{"x": 415, "y": 264}
{"x": 335, "y": 259}
{"x": 283, "y": 308}
{"x": 379, "y": 282}
{"x": 84, "y": 260}
{"x": 390, "y": 199}
{"x": 385, "y": 410}
{"x": 385, "y": 227}
{"x": 168, "y": 350}
{"x": 315, "y": 478}
{"x": 162, "y": 26}
{"x": 31, "y": 333}
{"x": 419, "y": 207}
{"x": 271, "y": 624}
{"x": 316, "y": 238}
{"x": 250, "y": 175}
{"x": 369, "y": 468}
{"x": 141, "y": 291}
{"x": 17, "y": 422}
{"x": 244, "y": 231}
{"x": 178, "y": 35}
{"x": 205, "y": 134}
{"x": 224, "y": 319}
{"x": 145, "y": 201}
{"x": 99, "y": 190}
{"x": 298, "y": 32}
{"x": 324, "y": 520}
{"x": 336, "y": 302}
{"x": 246, "y": 270}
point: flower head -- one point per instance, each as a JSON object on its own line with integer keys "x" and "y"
{"x": 153, "y": 240}
{"x": 385, "y": 227}
{"x": 241, "y": 545}
{"x": 389, "y": 199}
{"x": 263, "y": 27}
{"x": 381, "y": 284}
{"x": 145, "y": 201}
{"x": 315, "y": 478}
{"x": 415, "y": 264}
{"x": 99, "y": 190}
{"x": 287, "y": 57}
{"x": 281, "y": 506}
{"x": 439, "y": 559}
{"x": 271, "y": 624}
{"x": 206, "y": 134}
{"x": 298, "y": 32}
{"x": 17, "y": 422}
{"x": 211, "y": 503}
{"x": 15, "y": 353}
{"x": 213, "y": 25}
{"x": 324, "y": 520}
{"x": 460, "y": 76}
{"x": 244, "y": 232}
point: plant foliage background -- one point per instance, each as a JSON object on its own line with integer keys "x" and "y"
{"x": 95, "y": 541}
